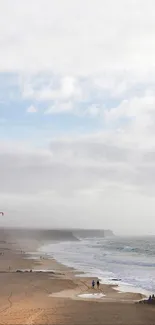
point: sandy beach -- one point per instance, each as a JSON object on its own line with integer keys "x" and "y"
{"x": 58, "y": 296}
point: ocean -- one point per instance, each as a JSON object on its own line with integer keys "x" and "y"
{"x": 128, "y": 262}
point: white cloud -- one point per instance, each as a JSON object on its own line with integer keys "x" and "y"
{"x": 32, "y": 109}
{"x": 60, "y": 107}
{"x": 62, "y": 88}
{"x": 91, "y": 59}
{"x": 91, "y": 95}
{"x": 94, "y": 110}
{"x": 102, "y": 177}
{"x": 77, "y": 38}
{"x": 132, "y": 108}
{"x": 136, "y": 118}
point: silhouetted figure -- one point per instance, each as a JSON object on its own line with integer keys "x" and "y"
{"x": 98, "y": 284}
{"x": 93, "y": 284}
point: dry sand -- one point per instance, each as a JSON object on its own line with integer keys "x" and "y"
{"x": 52, "y": 298}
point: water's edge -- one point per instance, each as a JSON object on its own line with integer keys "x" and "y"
{"x": 60, "y": 251}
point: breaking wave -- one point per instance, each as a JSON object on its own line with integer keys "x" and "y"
{"x": 130, "y": 259}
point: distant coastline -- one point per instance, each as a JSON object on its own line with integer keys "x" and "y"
{"x": 58, "y": 234}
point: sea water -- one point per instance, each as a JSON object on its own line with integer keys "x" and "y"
{"x": 128, "y": 262}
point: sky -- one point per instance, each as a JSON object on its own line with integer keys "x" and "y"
{"x": 77, "y": 114}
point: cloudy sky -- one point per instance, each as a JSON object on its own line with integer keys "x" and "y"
{"x": 77, "y": 114}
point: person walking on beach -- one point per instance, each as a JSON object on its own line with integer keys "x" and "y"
{"x": 93, "y": 284}
{"x": 98, "y": 284}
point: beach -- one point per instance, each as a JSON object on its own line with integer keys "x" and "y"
{"x": 54, "y": 294}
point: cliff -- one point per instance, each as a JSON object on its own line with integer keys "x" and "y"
{"x": 86, "y": 233}
{"x": 56, "y": 234}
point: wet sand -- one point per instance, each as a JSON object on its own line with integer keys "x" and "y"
{"x": 53, "y": 297}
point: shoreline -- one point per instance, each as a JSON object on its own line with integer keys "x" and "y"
{"x": 134, "y": 294}
{"x": 51, "y": 293}
{"x": 113, "y": 292}
{"x": 120, "y": 287}
{"x": 43, "y": 263}
{"x": 50, "y": 266}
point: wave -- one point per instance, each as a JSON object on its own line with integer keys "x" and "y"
{"x": 132, "y": 263}
{"x": 145, "y": 246}
{"x": 110, "y": 259}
